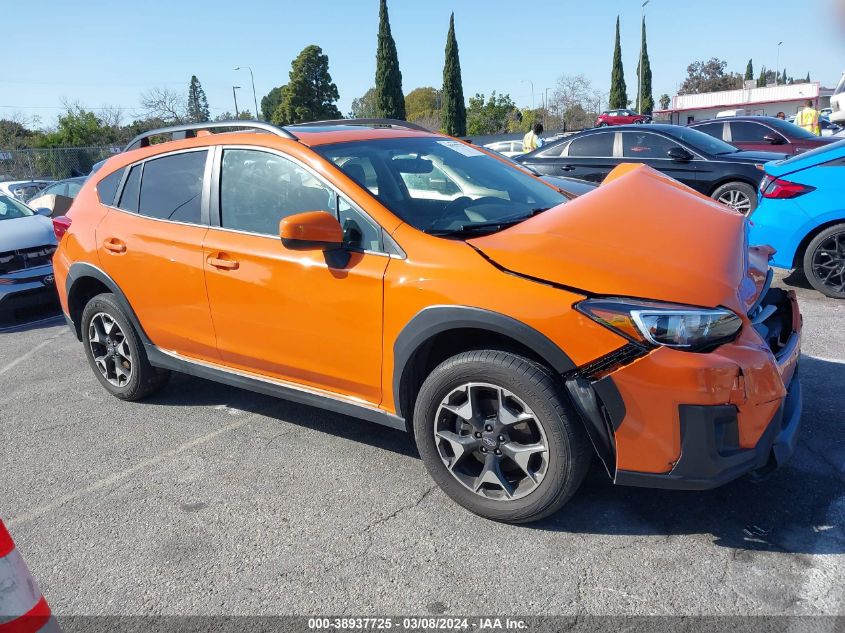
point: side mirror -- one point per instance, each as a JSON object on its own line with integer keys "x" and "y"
{"x": 679, "y": 154}
{"x": 315, "y": 231}
{"x": 44, "y": 211}
{"x": 774, "y": 139}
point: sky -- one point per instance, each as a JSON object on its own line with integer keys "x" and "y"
{"x": 100, "y": 53}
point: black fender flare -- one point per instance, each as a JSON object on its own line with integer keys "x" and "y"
{"x": 434, "y": 320}
{"x": 82, "y": 270}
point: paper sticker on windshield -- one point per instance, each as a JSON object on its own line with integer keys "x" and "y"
{"x": 466, "y": 150}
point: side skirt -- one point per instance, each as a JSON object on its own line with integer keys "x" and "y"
{"x": 270, "y": 387}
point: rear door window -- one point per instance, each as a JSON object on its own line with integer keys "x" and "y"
{"x": 748, "y": 132}
{"x": 713, "y": 129}
{"x": 593, "y": 145}
{"x": 171, "y": 187}
{"x": 645, "y": 145}
{"x": 131, "y": 190}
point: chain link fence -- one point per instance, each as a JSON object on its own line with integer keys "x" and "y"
{"x": 50, "y": 163}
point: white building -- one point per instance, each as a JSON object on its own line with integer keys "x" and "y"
{"x": 747, "y": 101}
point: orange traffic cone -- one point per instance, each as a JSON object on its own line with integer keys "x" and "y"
{"x": 22, "y": 607}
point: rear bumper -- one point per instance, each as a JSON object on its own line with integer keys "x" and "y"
{"x": 710, "y": 456}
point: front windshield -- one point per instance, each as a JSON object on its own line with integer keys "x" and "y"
{"x": 702, "y": 142}
{"x": 443, "y": 186}
{"x": 11, "y": 209}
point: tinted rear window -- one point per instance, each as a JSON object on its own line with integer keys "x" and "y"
{"x": 107, "y": 187}
{"x": 593, "y": 145}
{"x": 171, "y": 188}
{"x": 131, "y": 190}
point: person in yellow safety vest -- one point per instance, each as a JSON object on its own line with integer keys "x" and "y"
{"x": 808, "y": 118}
{"x": 532, "y": 140}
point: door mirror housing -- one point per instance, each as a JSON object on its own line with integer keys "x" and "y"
{"x": 679, "y": 154}
{"x": 774, "y": 139}
{"x": 311, "y": 231}
{"x": 44, "y": 211}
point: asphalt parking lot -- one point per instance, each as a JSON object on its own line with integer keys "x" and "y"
{"x": 211, "y": 500}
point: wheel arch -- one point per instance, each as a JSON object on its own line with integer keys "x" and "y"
{"x": 438, "y": 332}
{"x": 798, "y": 257}
{"x": 86, "y": 281}
{"x": 732, "y": 178}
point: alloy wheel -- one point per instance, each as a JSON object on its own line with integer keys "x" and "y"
{"x": 110, "y": 350}
{"x": 829, "y": 262}
{"x": 737, "y": 200}
{"x": 491, "y": 441}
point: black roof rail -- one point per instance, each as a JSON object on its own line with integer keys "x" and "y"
{"x": 189, "y": 130}
{"x": 373, "y": 122}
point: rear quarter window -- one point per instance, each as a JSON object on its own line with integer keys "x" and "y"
{"x": 107, "y": 187}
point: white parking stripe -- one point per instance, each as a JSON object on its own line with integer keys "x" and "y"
{"x": 116, "y": 477}
{"x": 22, "y": 358}
{"x": 827, "y": 360}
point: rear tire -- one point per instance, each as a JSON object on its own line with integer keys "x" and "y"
{"x": 740, "y": 196}
{"x": 824, "y": 262}
{"x": 115, "y": 352}
{"x": 519, "y": 454}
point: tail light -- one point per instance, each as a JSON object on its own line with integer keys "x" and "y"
{"x": 783, "y": 189}
{"x": 61, "y": 224}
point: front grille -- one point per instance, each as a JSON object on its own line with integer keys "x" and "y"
{"x": 21, "y": 259}
{"x": 771, "y": 318}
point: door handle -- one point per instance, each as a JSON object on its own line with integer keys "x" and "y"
{"x": 567, "y": 167}
{"x": 222, "y": 263}
{"x": 114, "y": 245}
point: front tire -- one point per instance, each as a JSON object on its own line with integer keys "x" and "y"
{"x": 824, "y": 262}
{"x": 739, "y": 196}
{"x": 497, "y": 434}
{"x": 115, "y": 352}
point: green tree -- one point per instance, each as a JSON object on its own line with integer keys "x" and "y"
{"x": 783, "y": 78}
{"x": 646, "y": 100}
{"x": 364, "y": 107}
{"x": 453, "y": 114}
{"x": 761, "y": 80}
{"x": 310, "y": 95}
{"x": 197, "y": 103}
{"x": 808, "y": 77}
{"x": 665, "y": 100}
{"x": 77, "y": 128}
{"x": 390, "y": 102}
{"x": 489, "y": 116}
{"x": 421, "y": 102}
{"x": 270, "y": 102}
{"x": 709, "y": 76}
{"x": 618, "y": 92}
{"x": 749, "y": 71}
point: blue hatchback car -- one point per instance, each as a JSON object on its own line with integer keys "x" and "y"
{"x": 801, "y": 213}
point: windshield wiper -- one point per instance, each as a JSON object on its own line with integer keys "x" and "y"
{"x": 484, "y": 227}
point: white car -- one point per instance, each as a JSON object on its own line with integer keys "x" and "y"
{"x": 508, "y": 148}
{"x": 23, "y": 189}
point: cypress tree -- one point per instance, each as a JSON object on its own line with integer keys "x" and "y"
{"x": 749, "y": 71}
{"x": 453, "y": 115}
{"x": 197, "y": 103}
{"x": 390, "y": 102}
{"x": 808, "y": 77}
{"x": 761, "y": 80}
{"x": 618, "y": 92}
{"x": 783, "y": 78}
{"x": 646, "y": 99}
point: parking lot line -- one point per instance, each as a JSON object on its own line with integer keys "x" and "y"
{"x": 23, "y": 357}
{"x": 123, "y": 474}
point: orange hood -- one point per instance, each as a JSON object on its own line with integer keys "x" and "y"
{"x": 641, "y": 234}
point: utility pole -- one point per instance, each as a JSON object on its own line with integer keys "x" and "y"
{"x": 235, "y": 97}
{"x": 254, "y": 98}
{"x": 528, "y": 81}
{"x": 777, "y": 68}
{"x": 641, "y": 73}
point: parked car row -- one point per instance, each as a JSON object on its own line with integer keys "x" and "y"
{"x": 23, "y": 190}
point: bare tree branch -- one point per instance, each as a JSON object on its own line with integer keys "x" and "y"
{"x": 164, "y": 104}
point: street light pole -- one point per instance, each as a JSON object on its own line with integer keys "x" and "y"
{"x": 545, "y": 107}
{"x": 528, "y": 81}
{"x": 642, "y": 53}
{"x": 252, "y": 79}
{"x": 235, "y": 97}
{"x": 777, "y": 68}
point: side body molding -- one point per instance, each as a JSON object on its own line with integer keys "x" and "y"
{"x": 434, "y": 320}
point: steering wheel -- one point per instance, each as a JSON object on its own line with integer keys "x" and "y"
{"x": 456, "y": 209}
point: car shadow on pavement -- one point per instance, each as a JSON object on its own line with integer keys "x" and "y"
{"x": 792, "y": 511}
{"x": 798, "y": 509}
{"x": 50, "y": 319}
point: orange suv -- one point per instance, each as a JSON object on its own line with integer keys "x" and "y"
{"x": 407, "y": 278}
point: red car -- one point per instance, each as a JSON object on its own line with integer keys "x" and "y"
{"x": 620, "y": 117}
{"x": 762, "y": 133}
